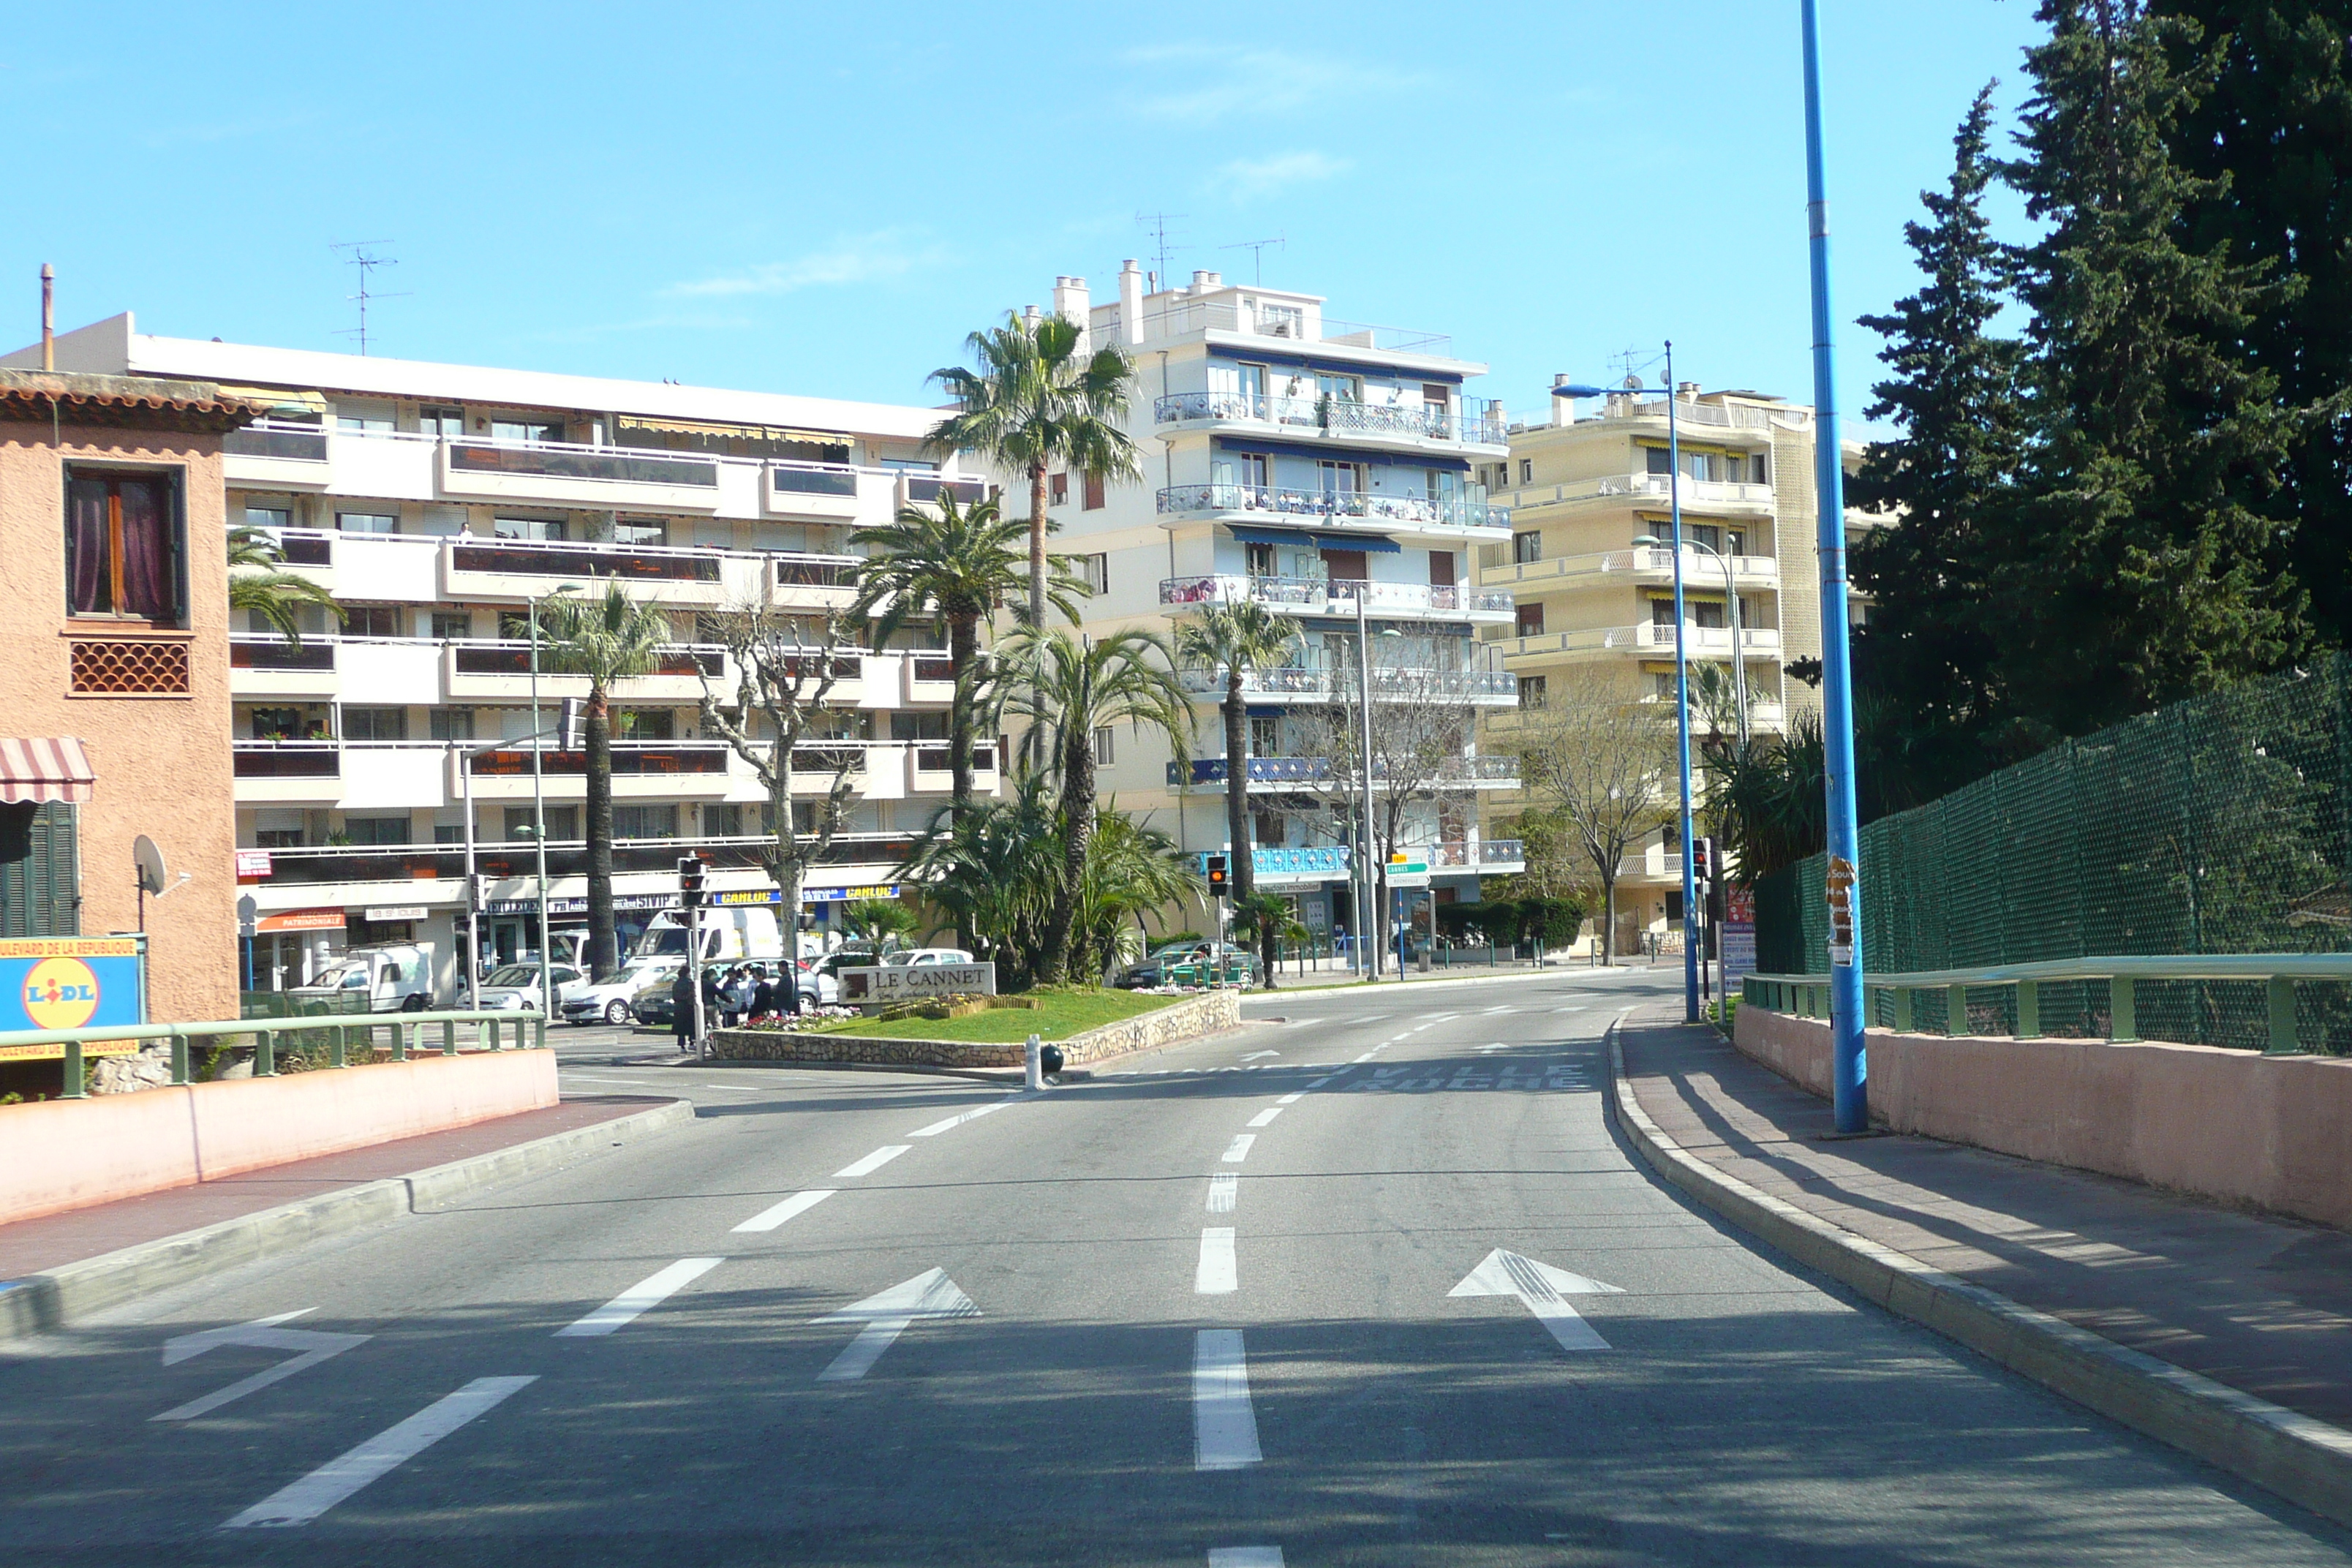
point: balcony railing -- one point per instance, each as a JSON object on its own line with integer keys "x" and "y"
{"x": 1502, "y": 852}
{"x": 509, "y": 859}
{"x": 1302, "y": 860}
{"x": 284, "y": 441}
{"x": 514, "y": 659}
{"x": 568, "y": 462}
{"x": 817, "y": 572}
{"x": 275, "y": 653}
{"x": 286, "y": 760}
{"x": 941, "y": 759}
{"x": 1318, "y": 770}
{"x": 1165, "y": 316}
{"x": 1475, "y": 420}
{"x": 1370, "y": 505}
{"x": 1646, "y": 563}
{"x": 813, "y": 478}
{"x": 921, "y": 487}
{"x": 552, "y": 558}
{"x": 1295, "y": 680}
{"x": 1710, "y": 642}
{"x": 631, "y": 759}
{"x": 1647, "y": 489}
{"x": 1320, "y": 593}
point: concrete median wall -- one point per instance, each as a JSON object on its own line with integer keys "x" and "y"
{"x": 2267, "y": 1132}
{"x": 68, "y": 1153}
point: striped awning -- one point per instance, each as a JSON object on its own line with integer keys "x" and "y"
{"x": 44, "y": 770}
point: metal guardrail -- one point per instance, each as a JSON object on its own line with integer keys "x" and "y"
{"x": 338, "y": 1030}
{"x": 1807, "y": 995}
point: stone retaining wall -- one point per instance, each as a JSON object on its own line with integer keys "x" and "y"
{"x": 1205, "y": 1014}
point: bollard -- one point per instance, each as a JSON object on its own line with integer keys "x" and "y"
{"x": 339, "y": 1052}
{"x": 265, "y": 1054}
{"x": 73, "y": 1074}
{"x": 1032, "y": 1065}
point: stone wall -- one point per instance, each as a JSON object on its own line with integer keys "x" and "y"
{"x": 1205, "y": 1014}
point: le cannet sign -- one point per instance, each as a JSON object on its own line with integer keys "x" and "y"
{"x": 904, "y": 982}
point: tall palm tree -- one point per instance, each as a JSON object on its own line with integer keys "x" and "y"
{"x": 255, "y": 584}
{"x": 962, "y": 564}
{"x": 1074, "y": 688}
{"x": 1237, "y": 639}
{"x": 607, "y": 639}
{"x": 1132, "y": 871}
{"x": 1037, "y": 401}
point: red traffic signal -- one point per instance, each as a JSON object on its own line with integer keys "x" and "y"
{"x": 692, "y": 868}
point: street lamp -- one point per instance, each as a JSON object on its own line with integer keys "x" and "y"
{"x": 1738, "y": 652}
{"x": 1368, "y": 896}
{"x": 1682, "y": 676}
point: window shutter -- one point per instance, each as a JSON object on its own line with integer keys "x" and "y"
{"x": 39, "y": 871}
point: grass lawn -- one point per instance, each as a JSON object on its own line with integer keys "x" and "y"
{"x": 1065, "y": 1013}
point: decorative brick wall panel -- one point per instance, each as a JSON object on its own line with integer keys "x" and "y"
{"x": 134, "y": 667}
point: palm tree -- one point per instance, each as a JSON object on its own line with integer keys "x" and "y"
{"x": 1131, "y": 870}
{"x": 994, "y": 870}
{"x": 608, "y": 639}
{"x": 1075, "y": 688}
{"x": 276, "y": 596}
{"x": 1237, "y": 639}
{"x": 1034, "y": 402}
{"x": 1269, "y": 920}
{"x": 962, "y": 564}
{"x": 878, "y": 920}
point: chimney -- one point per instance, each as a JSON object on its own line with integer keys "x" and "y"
{"x": 1074, "y": 304}
{"x": 1205, "y": 281}
{"x": 49, "y": 317}
{"x": 1563, "y": 407}
{"x": 1030, "y": 316}
{"x": 1130, "y": 302}
{"x": 1687, "y": 391}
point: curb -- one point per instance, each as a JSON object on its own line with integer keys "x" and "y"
{"x": 1391, "y": 987}
{"x": 55, "y": 1297}
{"x": 2302, "y": 1459}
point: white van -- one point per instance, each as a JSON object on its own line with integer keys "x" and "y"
{"x": 392, "y": 979}
{"x": 739, "y": 931}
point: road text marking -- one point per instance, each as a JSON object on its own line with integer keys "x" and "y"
{"x": 1224, "y": 1427}
{"x": 871, "y": 1162}
{"x": 1224, "y": 1190}
{"x": 1217, "y": 1275}
{"x": 641, "y": 1297}
{"x": 768, "y": 1218}
{"x": 338, "y": 1478}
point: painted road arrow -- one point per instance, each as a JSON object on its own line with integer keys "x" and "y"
{"x": 263, "y": 1333}
{"x": 1544, "y": 1290}
{"x": 931, "y": 1294}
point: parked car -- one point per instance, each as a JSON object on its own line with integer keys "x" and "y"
{"x": 613, "y": 1000}
{"x": 1153, "y": 970}
{"x": 925, "y": 956}
{"x": 517, "y": 985}
{"x": 390, "y": 979}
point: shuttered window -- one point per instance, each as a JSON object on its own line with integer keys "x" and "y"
{"x": 39, "y": 871}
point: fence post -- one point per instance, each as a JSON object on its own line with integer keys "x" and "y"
{"x": 180, "y": 1059}
{"x": 1956, "y": 1011}
{"x": 1902, "y": 1009}
{"x": 449, "y": 1036}
{"x": 2123, "y": 1020}
{"x": 403, "y": 1039}
{"x": 2029, "y": 1009}
{"x": 338, "y": 1051}
{"x": 265, "y": 1053}
{"x": 2282, "y": 1000}
{"x": 73, "y": 1075}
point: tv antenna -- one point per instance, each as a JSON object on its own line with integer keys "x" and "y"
{"x": 367, "y": 260}
{"x": 1256, "y": 248}
{"x": 1628, "y": 362}
{"x": 1156, "y": 223}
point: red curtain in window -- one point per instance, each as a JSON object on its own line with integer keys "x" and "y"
{"x": 148, "y": 569}
{"x": 88, "y": 584}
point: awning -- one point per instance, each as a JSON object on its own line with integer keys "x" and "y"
{"x": 44, "y": 770}
{"x": 719, "y": 430}
{"x": 1311, "y": 539}
{"x": 300, "y": 402}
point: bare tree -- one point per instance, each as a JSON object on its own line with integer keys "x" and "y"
{"x": 1609, "y": 768}
{"x": 785, "y": 667}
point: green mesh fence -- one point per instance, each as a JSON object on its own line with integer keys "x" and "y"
{"x": 2218, "y": 824}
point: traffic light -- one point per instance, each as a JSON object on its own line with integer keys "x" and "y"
{"x": 1703, "y": 861}
{"x": 570, "y": 724}
{"x": 1220, "y": 879}
{"x": 691, "y": 872}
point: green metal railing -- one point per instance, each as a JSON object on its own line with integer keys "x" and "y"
{"x": 1909, "y": 1001}
{"x": 332, "y": 1029}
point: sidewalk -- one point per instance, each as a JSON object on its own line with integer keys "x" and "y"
{"x": 2262, "y": 1305}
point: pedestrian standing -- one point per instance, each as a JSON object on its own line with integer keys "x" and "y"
{"x": 681, "y": 1005}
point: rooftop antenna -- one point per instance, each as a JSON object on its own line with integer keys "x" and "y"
{"x": 1256, "y": 248}
{"x": 1627, "y": 362}
{"x": 1157, "y": 223}
{"x": 367, "y": 261}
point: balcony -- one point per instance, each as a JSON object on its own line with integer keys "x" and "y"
{"x": 831, "y": 493}
{"x": 1656, "y": 641}
{"x": 501, "y": 670}
{"x": 929, "y": 770}
{"x": 819, "y": 571}
{"x": 507, "y": 861}
{"x": 1367, "y": 506}
{"x": 262, "y": 666}
{"x": 1711, "y": 417}
{"x": 1317, "y": 683}
{"x": 578, "y": 475}
{"x": 1713, "y": 496}
{"x": 1338, "y": 595}
{"x": 1279, "y": 772}
{"x": 1476, "y": 420}
{"x": 921, "y": 489}
{"x": 275, "y": 455}
{"x": 287, "y": 772}
{"x": 929, "y": 678}
{"x": 1171, "y": 316}
{"x": 1647, "y": 565}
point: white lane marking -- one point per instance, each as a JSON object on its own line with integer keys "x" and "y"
{"x": 1438, "y": 1018}
{"x": 641, "y": 1297}
{"x": 1244, "y": 1557}
{"x": 1266, "y": 1118}
{"x": 263, "y": 1333}
{"x": 1544, "y": 1290}
{"x": 871, "y": 1162}
{"x": 1224, "y": 1427}
{"x": 1292, "y": 1099}
{"x": 768, "y": 1218}
{"x": 338, "y": 1477}
{"x": 1217, "y": 1273}
{"x": 1302, "y": 1022}
{"x": 1238, "y": 1150}
{"x": 931, "y": 1294}
{"x": 974, "y": 1114}
{"x": 1504, "y": 1008}
{"x": 1254, "y": 1056}
{"x": 1488, "y": 1050}
{"x": 1365, "y": 1057}
{"x": 1320, "y": 1082}
{"x": 1224, "y": 1190}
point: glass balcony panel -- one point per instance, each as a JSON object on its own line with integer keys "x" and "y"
{"x": 573, "y": 463}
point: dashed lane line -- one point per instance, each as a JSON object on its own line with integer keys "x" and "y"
{"x": 639, "y": 1299}
{"x": 1216, "y": 1274}
{"x": 338, "y": 1477}
{"x": 799, "y": 1203}
{"x": 871, "y": 1162}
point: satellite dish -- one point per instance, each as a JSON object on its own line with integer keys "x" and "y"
{"x": 1632, "y": 383}
{"x": 150, "y": 861}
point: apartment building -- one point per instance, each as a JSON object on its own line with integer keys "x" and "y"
{"x": 1594, "y": 606}
{"x": 436, "y": 501}
{"x": 1327, "y": 469}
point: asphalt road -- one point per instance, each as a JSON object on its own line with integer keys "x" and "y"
{"x": 1372, "y": 1284}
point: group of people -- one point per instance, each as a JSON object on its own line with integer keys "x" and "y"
{"x": 746, "y": 992}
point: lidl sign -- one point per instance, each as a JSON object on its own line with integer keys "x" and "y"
{"x": 71, "y": 983}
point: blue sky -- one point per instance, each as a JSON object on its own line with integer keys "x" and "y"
{"x": 824, "y": 199}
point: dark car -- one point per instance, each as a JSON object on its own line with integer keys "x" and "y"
{"x": 1153, "y": 970}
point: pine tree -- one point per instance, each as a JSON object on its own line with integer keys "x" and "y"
{"x": 1924, "y": 657}
{"x": 2278, "y": 124}
{"x": 2137, "y": 565}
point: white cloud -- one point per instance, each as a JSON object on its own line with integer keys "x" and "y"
{"x": 861, "y": 259}
{"x": 1246, "y": 178}
{"x": 1219, "y": 82}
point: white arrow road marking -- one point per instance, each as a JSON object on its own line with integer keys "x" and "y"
{"x": 1244, "y": 1557}
{"x": 338, "y": 1478}
{"x": 1238, "y": 1150}
{"x": 642, "y": 1297}
{"x": 936, "y": 1128}
{"x": 1217, "y": 1274}
{"x": 931, "y": 1294}
{"x": 1225, "y": 1188}
{"x": 262, "y": 1333}
{"x": 768, "y": 1218}
{"x": 1254, "y": 1056}
{"x": 1542, "y": 1287}
{"x": 1266, "y": 1118}
{"x": 1225, "y": 1425}
{"x": 871, "y": 1162}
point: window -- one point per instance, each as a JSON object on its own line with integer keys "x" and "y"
{"x": 375, "y": 724}
{"x": 441, "y": 421}
{"x": 1706, "y": 533}
{"x": 451, "y": 724}
{"x": 1437, "y": 396}
{"x": 562, "y": 823}
{"x": 123, "y": 545}
{"x": 278, "y": 723}
{"x": 1095, "y": 570}
{"x": 452, "y": 625}
{"x": 1532, "y": 623}
{"x": 1735, "y": 542}
{"x": 376, "y": 829}
{"x": 1656, "y": 461}
{"x": 644, "y": 822}
{"x": 640, "y": 530}
{"x": 363, "y": 418}
{"x": 1441, "y": 569}
{"x": 372, "y": 621}
{"x": 1339, "y": 388}
{"x": 1094, "y": 501}
{"x": 1340, "y": 479}
{"x": 919, "y": 726}
{"x": 367, "y": 522}
{"x": 1282, "y": 320}
{"x": 1257, "y": 469}
{"x": 1705, "y": 612}
{"x": 1526, "y": 471}
{"x": 1058, "y": 489}
{"x": 1266, "y": 827}
{"x": 1260, "y": 559}
{"x": 1528, "y": 547}
{"x": 449, "y": 832}
{"x": 1531, "y": 692}
{"x": 1662, "y": 612}
{"x": 644, "y": 724}
{"x": 277, "y": 839}
{"x": 1105, "y": 746}
{"x": 1265, "y": 737}
{"x": 270, "y": 516}
{"x": 534, "y": 431}
{"x": 526, "y": 527}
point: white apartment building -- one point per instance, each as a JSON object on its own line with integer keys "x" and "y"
{"x": 1316, "y": 466}
{"x": 435, "y": 501}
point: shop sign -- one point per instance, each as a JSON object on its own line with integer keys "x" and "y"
{"x": 301, "y": 920}
{"x": 401, "y": 912}
{"x": 252, "y": 864}
{"x": 71, "y": 983}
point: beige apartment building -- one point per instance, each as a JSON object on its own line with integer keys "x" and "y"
{"x": 1590, "y": 605}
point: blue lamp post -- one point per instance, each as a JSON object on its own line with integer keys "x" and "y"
{"x": 1682, "y": 677}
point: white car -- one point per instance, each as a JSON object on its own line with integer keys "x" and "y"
{"x": 607, "y": 1001}
{"x": 925, "y": 956}
{"x": 515, "y": 987}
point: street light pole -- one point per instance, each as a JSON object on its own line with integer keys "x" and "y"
{"x": 538, "y": 806}
{"x": 1682, "y": 702}
{"x": 1738, "y": 653}
{"x": 1849, "y": 1080}
{"x": 1372, "y": 915}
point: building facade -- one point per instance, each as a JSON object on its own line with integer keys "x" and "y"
{"x": 114, "y": 611}
{"x": 436, "y": 502}
{"x": 1327, "y": 470}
